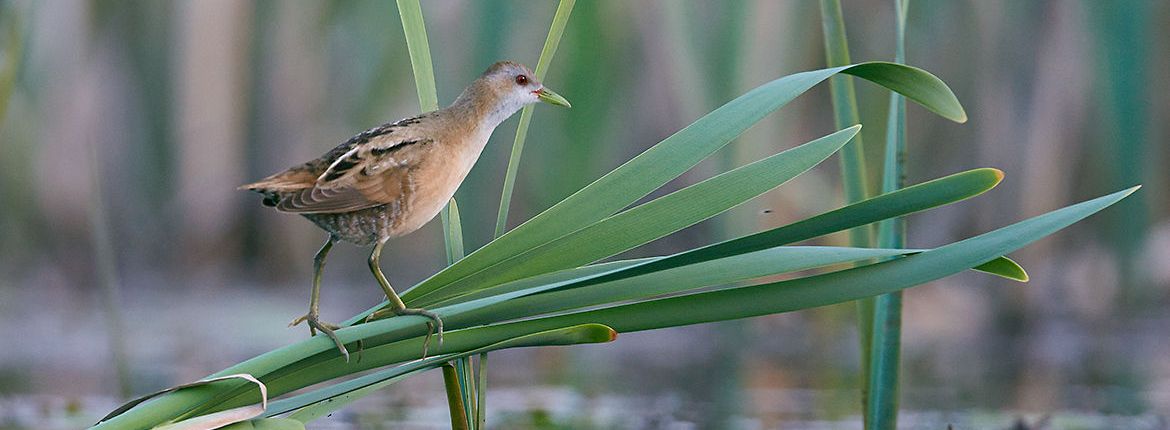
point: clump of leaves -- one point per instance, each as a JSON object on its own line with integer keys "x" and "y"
{"x": 541, "y": 283}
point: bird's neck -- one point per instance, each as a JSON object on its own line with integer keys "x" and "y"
{"x": 481, "y": 109}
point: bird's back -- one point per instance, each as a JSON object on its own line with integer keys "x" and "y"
{"x": 305, "y": 176}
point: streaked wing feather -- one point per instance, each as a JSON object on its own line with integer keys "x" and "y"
{"x": 362, "y": 179}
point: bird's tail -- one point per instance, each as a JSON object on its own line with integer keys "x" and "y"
{"x": 283, "y": 182}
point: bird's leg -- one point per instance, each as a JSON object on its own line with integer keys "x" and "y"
{"x": 397, "y": 307}
{"x": 313, "y": 317}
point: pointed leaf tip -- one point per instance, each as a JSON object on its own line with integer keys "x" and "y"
{"x": 852, "y": 130}
{"x": 1004, "y": 267}
{"x": 998, "y": 174}
{"x": 915, "y": 84}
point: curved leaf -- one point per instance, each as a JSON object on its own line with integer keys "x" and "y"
{"x": 654, "y": 219}
{"x": 829, "y": 288}
{"x": 321, "y": 402}
{"x": 677, "y": 154}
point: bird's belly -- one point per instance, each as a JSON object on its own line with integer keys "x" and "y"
{"x": 436, "y": 185}
{"x": 361, "y": 227}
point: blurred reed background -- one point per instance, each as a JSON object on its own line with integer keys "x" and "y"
{"x": 127, "y": 126}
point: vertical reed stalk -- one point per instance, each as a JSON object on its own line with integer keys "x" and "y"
{"x": 455, "y": 401}
{"x": 555, "y": 32}
{"x": 882, "y": 407}
{"x": 103, "y": 244}
{"x": 853, "y": 176}
{"x": 459, "y": 393}
{"x": 415, "y": 30}
{"x": 560, "y": 20}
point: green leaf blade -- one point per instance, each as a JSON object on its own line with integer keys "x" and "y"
{"x": 319, "y": 403}
{"x": 656, "y": 218}
{"x": 835, "y": 287}
{"x": 1005, "y": 268}
{"x": 673, "y": 156}
{"x": 420, "y": 54}
{"x": 917, "y": 85}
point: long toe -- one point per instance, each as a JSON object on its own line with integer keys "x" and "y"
{"x": 298, "y": 320}
{"x": 327, "y": 330}
{"x": 434, "y": 326}
{"x": 306, "y": 317}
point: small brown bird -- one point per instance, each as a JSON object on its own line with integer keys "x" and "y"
{"x": 390, "y": 180}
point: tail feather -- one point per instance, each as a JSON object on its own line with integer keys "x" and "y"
{"x": 275, "y": 187}
{"x": 289, "y": 180}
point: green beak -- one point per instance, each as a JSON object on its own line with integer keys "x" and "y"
{"x": 547, "y": 96}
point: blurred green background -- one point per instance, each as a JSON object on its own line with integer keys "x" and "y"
{"x": 127, "y": 125}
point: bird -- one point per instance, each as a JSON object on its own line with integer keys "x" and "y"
{"x": 392, "y": 179}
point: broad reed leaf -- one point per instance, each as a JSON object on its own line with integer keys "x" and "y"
{"x": 318, "y": 403}
{"x": 763, "y": 299}
{"x": 927, "y": 195}
{"x": 912, "y": 199}
{"x": 654, "y": 219}
{"x": 722, "y": 271}
{"x": 267, "y": 424}
{"x": 1005, "y": 268}
{"x": 557, "y": 297}
{"x": 399, "y": 339}
{"x": 920, "y": 197}
{"x": 829, "y": 288}
{"x": 678, "y": 153}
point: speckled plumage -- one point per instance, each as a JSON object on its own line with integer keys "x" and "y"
{"x": 392, "y": 179}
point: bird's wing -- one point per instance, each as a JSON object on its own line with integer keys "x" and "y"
{"x": 373, "y": 173}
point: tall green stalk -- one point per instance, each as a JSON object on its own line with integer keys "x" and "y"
{"x": 845, "y": 113}
{"x": 882, "y": 407}
{"x": 415, "y": 30}
{"x": 424, "y": 77}
{"x": 1123, "y": 33}
{"x": 457, "y": 403}
{"x": 853, "y": 176}
{"x": 420, "y": 53}
{"x": 560, "y": 20}
{"x": 555, "y": 32}
{"x": 107, "y": 270}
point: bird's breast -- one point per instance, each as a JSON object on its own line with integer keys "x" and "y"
{"x": 435, "y": 181}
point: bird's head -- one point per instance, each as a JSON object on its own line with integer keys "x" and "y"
{"x": 504, "y": 88}
{"x": 515, "y": 82}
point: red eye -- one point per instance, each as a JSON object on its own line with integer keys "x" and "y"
{"x": 521, "y": 80}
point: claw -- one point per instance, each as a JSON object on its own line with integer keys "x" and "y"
{"x": 434, "y": 326}
{"x": 325, "y": 328}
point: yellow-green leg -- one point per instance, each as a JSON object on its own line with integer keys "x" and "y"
{"x": 397, "y": 307}
{"x": 313, "y": 317}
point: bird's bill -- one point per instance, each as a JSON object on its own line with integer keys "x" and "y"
{"x": 547, "y": 96}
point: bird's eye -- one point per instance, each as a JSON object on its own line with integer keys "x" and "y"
{"x": 521, "y": 80}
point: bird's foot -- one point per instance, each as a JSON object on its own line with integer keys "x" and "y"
{"x": 434, "y": 326}
{"x": 325, "y": 328}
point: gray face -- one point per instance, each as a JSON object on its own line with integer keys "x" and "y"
{"x": 507, "y": 86}
{"x": 513, "y": 86}
{"x": 514, "y": 82}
